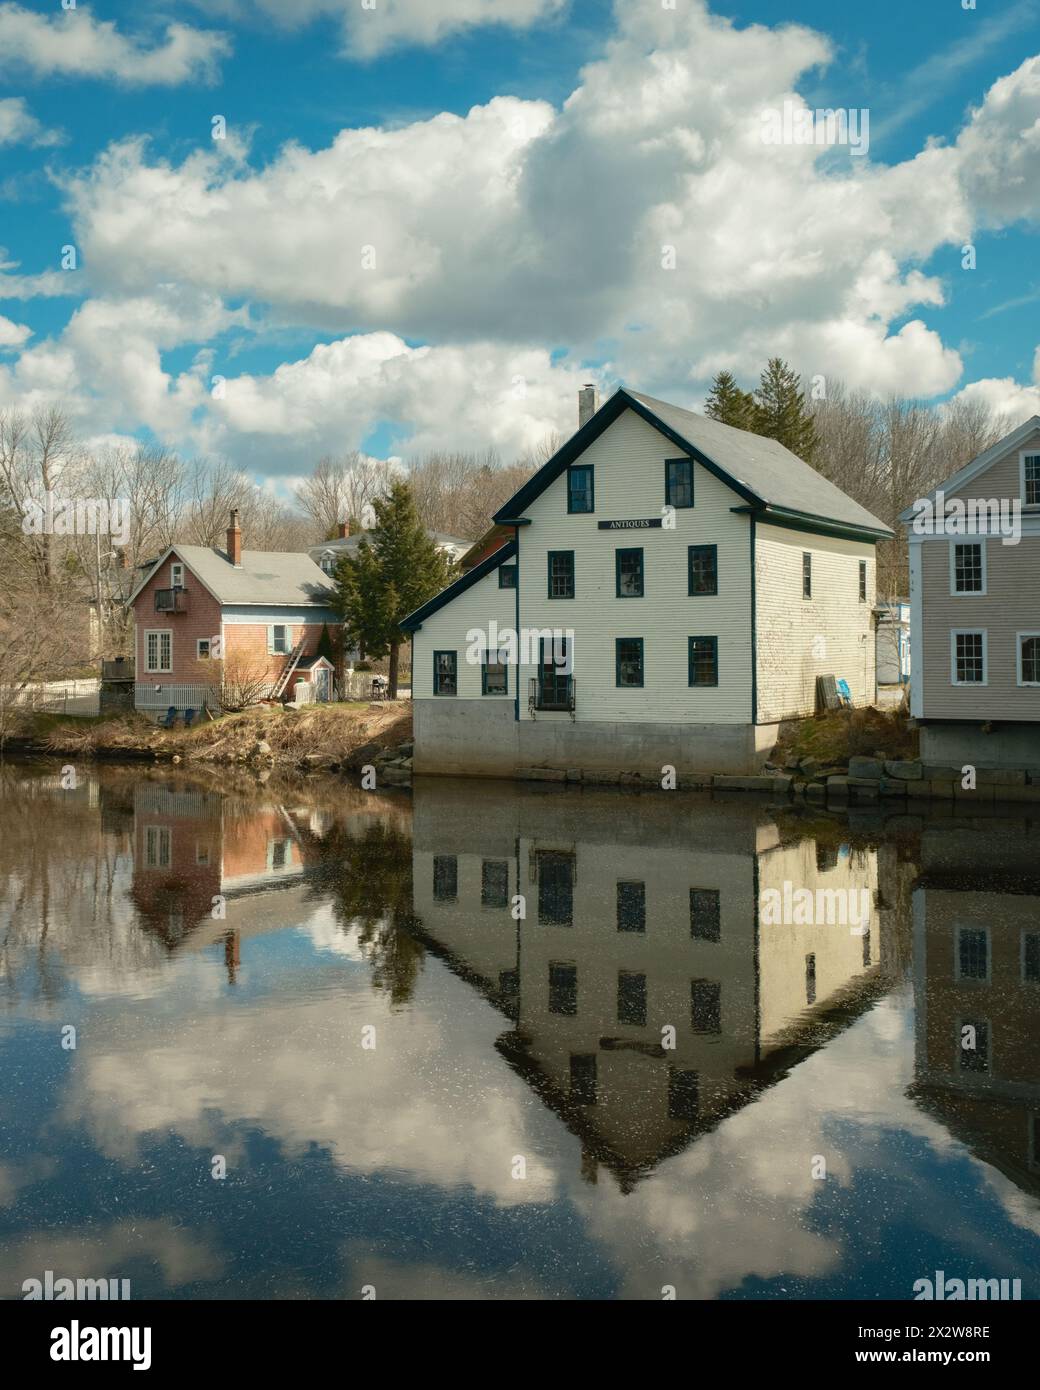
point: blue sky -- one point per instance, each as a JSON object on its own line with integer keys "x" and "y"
{"x": 517, "y": 188}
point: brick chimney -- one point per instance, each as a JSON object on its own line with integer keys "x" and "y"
{"x": 234, "y": 540}
{"x": 343, "y": 530}
{"x": 587, "y": 404}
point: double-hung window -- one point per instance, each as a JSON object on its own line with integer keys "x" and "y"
{"x": 494, "y": 679}
{"x": 278, "y": 639}
{"x": 967, "y": 567}
{"x": 554, "y": 685}
{"x": 704, "y": 661}
{"x": 628, "y": 576}
{"x": 862, "y": 581}
{"x": 968, "y": 658}
{"x": 703, "y": 563}
{"x": 581, "y": 488}
{"x": 631, "y": 907}
{"x": 445, "y": 673}
{"x": 445, "y": 877}
{"x": 678, "y": 482}
{"x": 628, "y": 662}
{"x": 556, "y": 871}
{"x": 494, "y": 883}
{"x": 1031, "y": 480}
{"x": 561, "y": 573}
{"x": 806, "y": 574}
{"x": 1028, "y": 657}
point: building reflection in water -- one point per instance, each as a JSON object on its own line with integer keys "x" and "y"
{"x": 976, "y": 926}
{"x": 645, "y": 996}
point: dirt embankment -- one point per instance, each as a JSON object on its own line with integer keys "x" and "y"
{"x": 320, "y": 736}
{"x": 838, "y": 735}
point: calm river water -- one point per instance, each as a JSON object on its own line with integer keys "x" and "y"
{"x": 296, "y": 1040}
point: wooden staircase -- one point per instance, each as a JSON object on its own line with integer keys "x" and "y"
{"x": 286, "y": 675}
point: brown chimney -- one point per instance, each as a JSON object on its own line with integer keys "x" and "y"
{"x": 587, "y": 404}
{"x": 234, "y": 540}
{"x": 343, "y": 530}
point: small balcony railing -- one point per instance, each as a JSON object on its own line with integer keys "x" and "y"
{"x": 551, "y": 694}
{"x": 171, "y": 600}
{"x": 121, "y": 669}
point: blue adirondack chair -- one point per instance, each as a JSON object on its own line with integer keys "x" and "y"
{"x": 189, "y": 715}
{"x": 171, "y": 718}
{"x": 844, "y": 693}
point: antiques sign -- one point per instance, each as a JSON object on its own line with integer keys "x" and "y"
{"x": 634, "y": 525}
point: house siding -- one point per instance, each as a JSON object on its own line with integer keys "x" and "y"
{"x": 1003, "y": 478}
{"x": 242, "y": 630}
{"x": 1011, "y": 604}
{"x": 202, "y": 620}
{"x": 446, "y": 630}
{"x": 629, "y": 461}
{"x": 798, "y": 639}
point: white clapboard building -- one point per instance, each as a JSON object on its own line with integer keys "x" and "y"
{"x": 671, "y": 591}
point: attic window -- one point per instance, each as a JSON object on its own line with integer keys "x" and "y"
{"x": 1031, "y": 480}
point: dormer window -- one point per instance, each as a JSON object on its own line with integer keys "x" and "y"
{"x": 176, "y": 576}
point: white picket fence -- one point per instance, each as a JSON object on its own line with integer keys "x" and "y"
{"x": 152, "y": 698}
{"x": 78, "y": 697}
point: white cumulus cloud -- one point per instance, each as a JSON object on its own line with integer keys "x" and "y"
{"x": 72, "y": 43}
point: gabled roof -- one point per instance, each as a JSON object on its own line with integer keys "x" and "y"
{"x": 774, "y": 483}
{"x": 489, "y": 541}
{"x": 265, "y": 578}
{"x": 348, "y": 544}
{"x": 979, "y": 465}
{"x": 414, "y": 621}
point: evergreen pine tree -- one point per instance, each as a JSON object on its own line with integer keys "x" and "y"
{"x": 388, "y": 578}
{"x": 325, "y": 647}
{"x": 781, "y": 412}
{"x": 730, "y": 405}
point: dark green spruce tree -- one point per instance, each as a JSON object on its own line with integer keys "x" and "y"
{"x": 781, "y": 412}
{"x": 728, "y": 404}
{"x": 395, "y": 569}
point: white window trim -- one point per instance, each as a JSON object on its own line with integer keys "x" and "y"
{"x": 967, "y": 593}
{"x": 956, "y": 632}
{"x": 158, "y": 632}
{"x": 1028, "y": 685}
{"x": 272, "y": 867}
{"x": 198, "y": 643}
{"x": 176, "y": 583}
{"x": 1022, "y": 456}
{"x": 271, "y": 648}
{"x": 163, "y": 836}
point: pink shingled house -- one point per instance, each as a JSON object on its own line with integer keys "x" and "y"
{"x": 246, "y": 618}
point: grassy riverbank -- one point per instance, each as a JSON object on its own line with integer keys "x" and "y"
{"x": 838, "y": 735}
{"x": 339, "y": 735}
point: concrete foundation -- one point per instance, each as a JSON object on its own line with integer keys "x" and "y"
{"x": 481, "y": 738}
{"x": 1013, "y": 746}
